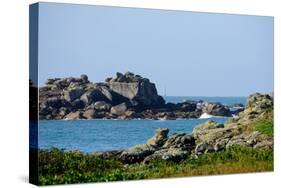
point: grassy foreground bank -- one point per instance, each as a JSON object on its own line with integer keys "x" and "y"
{"x": 60, "y": 167}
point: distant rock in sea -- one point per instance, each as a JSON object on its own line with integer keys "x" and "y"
{"x": 125, "y": 96}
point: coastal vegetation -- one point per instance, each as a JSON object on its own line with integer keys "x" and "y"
{"x": 61, "y": 167}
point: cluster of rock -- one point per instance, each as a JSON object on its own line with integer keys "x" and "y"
{"x": 126, "y": 96}
{"x": 174, "y": 148}
{"x": 205, "y": 138}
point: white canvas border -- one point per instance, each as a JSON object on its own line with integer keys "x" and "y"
{"x": 14, "y": 90}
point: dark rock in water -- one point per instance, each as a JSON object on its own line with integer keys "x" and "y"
{"x": 238, "y": 105}
{"x": 188, "y": 106}
{"x": 215, "y": 109}
{"x": 126, "y": 96}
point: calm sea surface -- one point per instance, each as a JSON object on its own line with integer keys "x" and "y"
{"x": 99, "y": 135}
{"x": 222, "y": 100}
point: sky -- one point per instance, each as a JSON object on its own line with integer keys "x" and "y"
{"x": 183, "y": 53}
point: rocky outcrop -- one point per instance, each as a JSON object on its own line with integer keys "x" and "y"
{"x": 121, "y": 97}
{"x": 126, "y": 96}
{"x": 238, "y": 131}
{"x": 136, "y": 88}
{"x": 174, "y": 148}
{"x": 205, "y": 138}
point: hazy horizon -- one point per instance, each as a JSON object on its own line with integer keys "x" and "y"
{"x": 184, "y": 53}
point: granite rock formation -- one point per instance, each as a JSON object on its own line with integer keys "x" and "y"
{"x": 126, "y": 96}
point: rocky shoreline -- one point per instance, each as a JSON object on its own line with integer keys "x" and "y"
{"x": 205, "y": 138}
{"x": 126, "y": 96}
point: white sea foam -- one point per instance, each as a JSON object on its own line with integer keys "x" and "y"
{"x": 206, "y": 116}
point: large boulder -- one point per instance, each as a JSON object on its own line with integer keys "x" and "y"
{"x": 73, "y": 93}
{"x": 203, "y": 148}
{"x": 90, "y": 114}
{"x": 137, "y": 153}
{"x": 183, "y": 141}
{"x": 136, "y": 88}
{"x": 94, "y": 95}
{"x": 257, "y": 104}
{"x": 170, "y": 154}
{"x": 115, "y": 154}
{"x": 102, "y": 106}
{"x": 210, "y": 132}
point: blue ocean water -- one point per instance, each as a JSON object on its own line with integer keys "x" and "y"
{"x": 96, "y": 135}
{"x": 223, "y": 100}
{"x": 99, "y": 135}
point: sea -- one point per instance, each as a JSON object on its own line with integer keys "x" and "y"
{"x": 102, "y": 135}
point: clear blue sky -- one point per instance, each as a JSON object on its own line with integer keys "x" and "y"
{"x": 188, "y": 53}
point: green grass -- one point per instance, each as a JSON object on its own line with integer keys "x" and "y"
{"x": 265, "y": 127}
{"x": 264, "y": 124}
{"x": 59, "y": 167}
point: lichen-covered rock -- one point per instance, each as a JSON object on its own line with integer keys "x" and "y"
{"x": 256, "y": 105}
{"x": 108, "y": 154}
{"x": 203, "y": 148}
{"x": 159, "y": 138}
{"x": 265, "y": 144}
{"x": 137, "y": 153}
{"x": 183, "y": 140}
